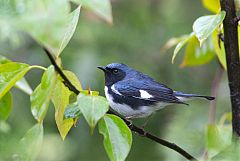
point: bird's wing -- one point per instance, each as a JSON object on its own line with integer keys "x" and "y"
{"x": 149, "y": 90}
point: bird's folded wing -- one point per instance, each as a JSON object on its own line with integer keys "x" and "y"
{"x": 151, "y": 91}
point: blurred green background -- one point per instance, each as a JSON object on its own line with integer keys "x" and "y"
{"x": 140, "y": 28}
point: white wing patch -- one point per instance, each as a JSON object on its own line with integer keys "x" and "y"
{"x": 145, "y": 94}
{"x": 115, "y": 91}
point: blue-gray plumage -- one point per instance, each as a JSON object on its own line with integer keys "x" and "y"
{"x": 134, "y": 94}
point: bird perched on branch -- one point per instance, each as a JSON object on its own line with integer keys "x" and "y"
{"x": 133, "y": 94}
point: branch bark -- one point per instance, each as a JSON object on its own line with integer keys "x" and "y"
{"x": 232, "y": 58}
{"x": 134, "y": 128}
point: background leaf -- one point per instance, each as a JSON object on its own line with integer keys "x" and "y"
{"x": 93, "y": 108}
{"x": 60, "y": 99}
{"x": 212, "y": 5}
{"x": 72, "y": 20}
{"x": 10, "y": 73}
{"x": 5, "y": 106}
{"x": 183, "y": 40}
{"x": 42, "y": 94}
{"x": 102, "y": 8}
{"x": 117, "y": 137}
{"x": 205, "y": 25}
{"x": 196, "y": 55}
{"x": 218, "y": 138}
{"x": 31, "y": 143}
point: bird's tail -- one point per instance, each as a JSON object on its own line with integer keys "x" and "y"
{"x": 186, "y": 97}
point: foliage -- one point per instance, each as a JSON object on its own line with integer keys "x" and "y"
{"x": 56, "y": 27}
{"x": 52, "y": 23}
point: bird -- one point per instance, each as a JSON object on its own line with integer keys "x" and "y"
{"x": 133, "y": 94}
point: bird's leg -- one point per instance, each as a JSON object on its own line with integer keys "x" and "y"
{"x": 129, "y": 121}
{"x": 147, "y": 120}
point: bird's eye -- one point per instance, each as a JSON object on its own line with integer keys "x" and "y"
{"x": 115, "y": 71}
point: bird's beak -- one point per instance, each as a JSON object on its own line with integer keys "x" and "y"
{"x": 103, "y": 68}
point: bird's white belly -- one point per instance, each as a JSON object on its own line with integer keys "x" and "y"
{"x": 127, "y": 111}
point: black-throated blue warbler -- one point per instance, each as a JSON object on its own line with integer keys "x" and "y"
{"x": 134, "y": 94}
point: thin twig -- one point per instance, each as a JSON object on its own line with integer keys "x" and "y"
{"x": 133, "y": 128}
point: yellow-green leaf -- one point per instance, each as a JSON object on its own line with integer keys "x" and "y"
{"x": 93, "y": 108}
{"x": 219, "y": 49}
{"x": 42, "y": 94}
{"x": 196, "y": 55}
{"x": 60, "y": 99}
{"x": 31, "y": 143}
{"x": 73, "y": 78}
{"x": 5, "y": 106}
{"x": 10, "y": 73}
{"x": 212, "y": 5}
{"x": 117, "y": 137}
{"x": 204, "y": 26}
{"x": 101, "y": 8}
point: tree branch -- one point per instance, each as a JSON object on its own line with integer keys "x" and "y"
{"x": 131, "y": 126}
{"x": 232, "y": 58}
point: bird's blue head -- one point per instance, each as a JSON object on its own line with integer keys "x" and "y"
{"x": 114, "y": 72}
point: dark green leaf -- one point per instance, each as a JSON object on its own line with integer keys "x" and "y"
{"x": 31, "y": 143}
{"x": 93, "y": 108}
{"x": 196, "y": 55}
{"x": 60, "y": 99}
{"x": 10, "y": 73}
{"x": 117, "y": 137}
{"x": 204, "y": 26}
{"x": 102, "y": 8}
{"x": 72, "y": 111}
{"x": 5, "y": 106}
{"x": 42, "y": 94}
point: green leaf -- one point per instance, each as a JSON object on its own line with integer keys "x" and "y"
{"x": 60, "y": 99}
{"x": 102, "y": 8}
{"x": 22, "y": 84}
{"x": 10, "y": 73}
{"x": 196, "y": 55}
{"x": 218, "y": 138}
{"x": 31, "y": 143}
{"x": 204, "y": 26}
{"x": 42, "y": 94}
{"x": 73, "y": 20}
{"x": 212, "y": 5}
{"x": 73, "y": 78}
{"x": 49, "y": 22}
{"x": 117, "y": 137}
{"x": 219, "y": 50}
{"x": 93, "y": 108}
{"x": 183, "y": 40}
{"x": 5, "y": 106}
